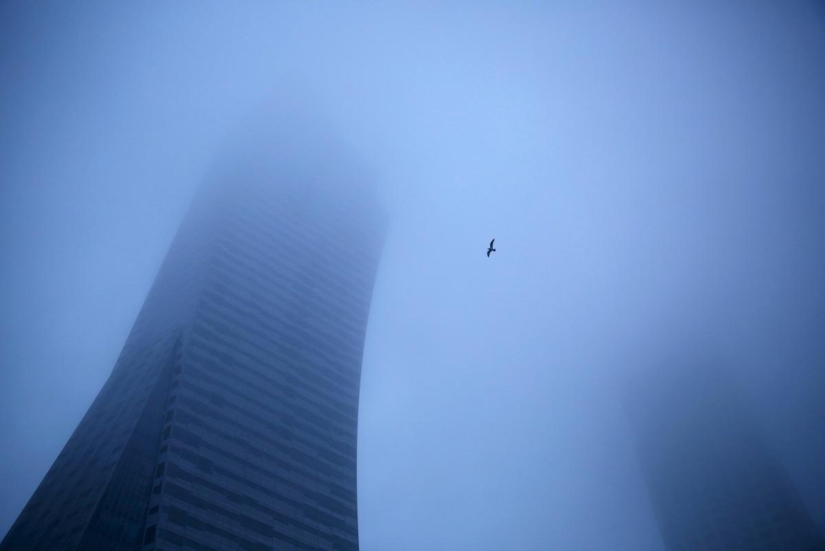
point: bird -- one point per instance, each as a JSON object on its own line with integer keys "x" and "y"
{"x": 491, "y": 249}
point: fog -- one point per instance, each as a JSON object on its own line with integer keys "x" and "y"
{"x": 648, "y": 171}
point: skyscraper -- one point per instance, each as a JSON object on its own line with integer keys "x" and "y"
{"x": 714, "y": 482}
{"x": 230, "y": 418}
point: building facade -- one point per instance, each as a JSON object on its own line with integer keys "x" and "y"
{"x": 714, "y": 482}
{"x": 230, "y": 418}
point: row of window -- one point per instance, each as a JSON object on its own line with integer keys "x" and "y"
{"x": 273, "y": 486}
{"x": 209, "y": 341}
{"x": 210, "y": 390}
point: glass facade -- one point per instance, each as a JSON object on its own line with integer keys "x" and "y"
{"x": 230, "y": 419}
{"x": 714, "y": 482}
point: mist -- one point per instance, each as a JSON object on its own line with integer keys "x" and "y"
{"x": 648, "y": 172}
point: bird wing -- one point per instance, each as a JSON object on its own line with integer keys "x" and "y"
{"x": 488, "y": 254}
{"x": 491, "y": 243}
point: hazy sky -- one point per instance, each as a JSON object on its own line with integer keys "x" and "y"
{"x": 647, "y": 170}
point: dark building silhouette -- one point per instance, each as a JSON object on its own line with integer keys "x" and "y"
{"x": 230, "y": 418}
{"x": 714, "y": 482}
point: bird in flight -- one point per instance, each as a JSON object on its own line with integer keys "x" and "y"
{"x": 491, "y": 249}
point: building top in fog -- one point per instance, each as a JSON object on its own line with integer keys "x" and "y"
{"x": 714, "y": 481}
{"x": 230, "y": 419}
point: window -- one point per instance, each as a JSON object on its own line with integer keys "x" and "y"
{"x": 149, "y": 537}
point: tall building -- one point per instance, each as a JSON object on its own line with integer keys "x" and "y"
{"x": 714, "y": 482}
{"x": 230, "y": 418}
